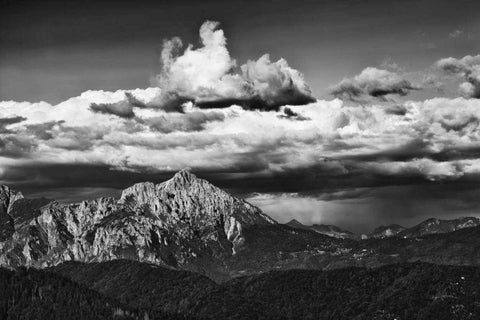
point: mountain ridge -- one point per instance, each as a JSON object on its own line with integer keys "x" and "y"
{"x": 183, "y": 222}
{"x": 326, "y": 229}
{"x": 186, "y": 223}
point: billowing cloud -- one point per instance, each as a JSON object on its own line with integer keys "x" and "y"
{"x": 468, "y": 68}
{"x": 436, "y": 139}
{"x": 206, "y": 76}
{"x": 372, "y": 82}
{"x": 209, "y": 78}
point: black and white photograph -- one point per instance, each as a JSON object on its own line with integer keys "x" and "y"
{"x": 240, "y": 160}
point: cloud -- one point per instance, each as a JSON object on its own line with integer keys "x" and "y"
{"x": 456, "y": 33}
{"x": 4, "y": 122}
{"x": 467, "y": 68}
{"x": 276, "y": 84}
{"x": 374, "y": 83}
{"x": 14, "y": 147}
{"x": 433, "y": 140}
{"x": 206, "y": 77}
{"x": 288, "y": 113}
{"x": 183, "y": 122}
{"x": 123, "y": 109}
{"x": 398, "y": 110}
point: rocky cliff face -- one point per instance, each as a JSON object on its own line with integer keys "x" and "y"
{"x": 7, "y": 198}
{"x": 193, "y": 206}
{"x": 183, "y": 222}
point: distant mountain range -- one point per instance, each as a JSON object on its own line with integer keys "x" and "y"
{"x": 187, "y": 249}
{"x": 429, "y": 226}
{"x": 326, "y": 229}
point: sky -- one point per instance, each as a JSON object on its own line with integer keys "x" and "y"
{"x": 355, "y": 113}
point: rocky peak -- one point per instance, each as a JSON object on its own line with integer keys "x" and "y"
{"x": 187, "y": 197}
{"x": 184, "y": 178}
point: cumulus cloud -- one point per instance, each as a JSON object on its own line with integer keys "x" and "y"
{"x": 206, "y": 76}
{"x": 209, "y": 77}
{"x": 372, "y": 82}
{"x": 468, "y": 68}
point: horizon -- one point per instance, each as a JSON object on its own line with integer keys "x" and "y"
{"x": 355, "y": 114}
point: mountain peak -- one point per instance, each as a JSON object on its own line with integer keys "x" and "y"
{"x": 184, "y": 176}
{"x": 187, "y": 197}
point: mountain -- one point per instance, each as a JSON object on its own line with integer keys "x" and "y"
{"x": 433, "y": 226}
{"x": 398, "y": 291}
{"x": 386, "y": 231}
{"x": 184, "y": 223}
{"x": 429, "y": 226}
{"x": 326, "y": 229}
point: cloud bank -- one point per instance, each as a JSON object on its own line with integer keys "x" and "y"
{"x": 433, "y": 140}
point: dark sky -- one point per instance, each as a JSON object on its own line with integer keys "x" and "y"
{"x": 399, "y": 144}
